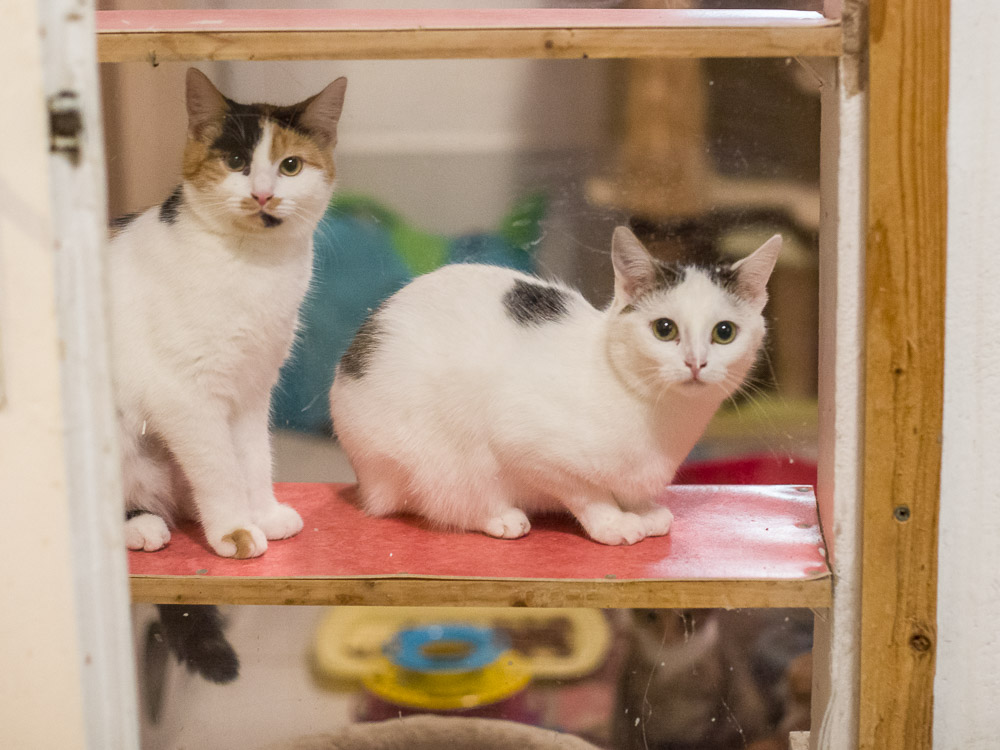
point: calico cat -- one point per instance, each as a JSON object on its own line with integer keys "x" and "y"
{"x": 205, "y": 291}
{"x": 477, "y": 393}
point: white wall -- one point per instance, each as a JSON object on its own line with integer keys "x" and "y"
{"x": 441, "y": 141}
{"x": 445, "y": 141}
{"x": 967, "y": 685}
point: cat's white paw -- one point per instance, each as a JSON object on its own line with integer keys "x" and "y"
{"x": 146, "y": 531}
{"x": 242, "y": 542}
{"x": 657, "y": 521}
{"x": 510, "y": 524}
{"x": 617, "y": 528}
{"x": 279, "y": 521}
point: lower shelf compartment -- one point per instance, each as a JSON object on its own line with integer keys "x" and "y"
{"x": 730, "y": 546}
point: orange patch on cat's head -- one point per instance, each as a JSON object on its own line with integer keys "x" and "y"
{"x": 202, "y": 166}
{"x": 288, "y": 142}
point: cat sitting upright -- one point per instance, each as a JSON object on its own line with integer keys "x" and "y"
{"x": 205, "y": 292}
{"x": 478, "y": 393}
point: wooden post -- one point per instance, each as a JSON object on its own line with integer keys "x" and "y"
{"x": 905, "y": 277}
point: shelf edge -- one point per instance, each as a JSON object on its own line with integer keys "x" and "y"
{"x": 673, "y": 594}
{"x": 484, "y": 43}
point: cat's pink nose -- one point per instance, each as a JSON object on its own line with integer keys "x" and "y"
{"x": 262, "y": 198}
{"x": 695, "y": 367}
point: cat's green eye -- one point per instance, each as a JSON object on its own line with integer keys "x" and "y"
{"x": 291, "y": 166}
{"x": 724, "y": 332}
{"x": 664, "y": 329}
{"x": 235, "y": 162}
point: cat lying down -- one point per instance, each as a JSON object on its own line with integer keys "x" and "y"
{"x": 477, "y": 395}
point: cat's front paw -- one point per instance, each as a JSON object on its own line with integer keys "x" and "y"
{"x": 510, "y": 524}
{"x": 657, "y": 521}
{"x": 242, "y": 542}
{"x": 617, "y": 529}
{"x": 279, "y": 521}
{"x": 146, "y": 531}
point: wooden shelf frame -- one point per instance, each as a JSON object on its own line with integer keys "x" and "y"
{"x": 163, "y": 35}
{"x": 908, "y": 75}
{"x": 907, "y": 219}
{"x": 466, "y": 592}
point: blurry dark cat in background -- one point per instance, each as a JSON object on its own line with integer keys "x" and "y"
{"x": 713, "y": 679}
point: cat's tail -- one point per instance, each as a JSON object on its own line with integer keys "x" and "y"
{"x": 195, "y": 634}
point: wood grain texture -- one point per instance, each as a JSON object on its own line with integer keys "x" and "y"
{"x": 160, "y": 36}
{"x": 905, "y": 279}
{"x": 814, "y": 593}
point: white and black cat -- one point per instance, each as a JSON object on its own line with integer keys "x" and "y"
{"x": 205, "y": 293}
{"x": 478, "y": 394}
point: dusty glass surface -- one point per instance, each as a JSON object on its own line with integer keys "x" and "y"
{"x": 704, "y": 157}
{"x": 618, "y": 679}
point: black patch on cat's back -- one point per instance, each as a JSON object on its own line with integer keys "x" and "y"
{"x": 356, "y": 361}
{"x": 528, "y": 303}
{"x": 171, "y": 206}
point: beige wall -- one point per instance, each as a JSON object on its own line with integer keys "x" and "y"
{"x": 40, "y": 677}
{"x": 144, "y": 126}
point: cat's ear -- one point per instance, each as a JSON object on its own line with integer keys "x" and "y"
{"x": 635, "y": 269}
{"x": 321, "y": 113}
{"x": 754, "y": 270}
{"x": 205, "y": 105}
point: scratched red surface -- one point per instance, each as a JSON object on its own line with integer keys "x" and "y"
{"x": 719, "y": 532}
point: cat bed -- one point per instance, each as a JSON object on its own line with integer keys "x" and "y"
{"x": 434, "y": 732}
{"x": 364, "y": 252}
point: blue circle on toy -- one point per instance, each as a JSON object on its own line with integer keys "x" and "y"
{"x": 445, "y": 648}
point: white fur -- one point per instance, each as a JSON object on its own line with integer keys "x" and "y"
{"x": 471, "y": 420}
{"x": 202, "y": 316}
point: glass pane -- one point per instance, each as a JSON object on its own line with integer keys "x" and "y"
{"x": 440, "y": 160}
{"x": 698, "y": 679}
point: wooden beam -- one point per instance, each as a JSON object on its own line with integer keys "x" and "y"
{"x": 468, "y": 592}
{"x": 161, "y": 36}
{"x": 905, "y": 277}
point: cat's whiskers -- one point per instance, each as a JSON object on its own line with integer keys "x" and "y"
{"x": 602, "y": 251}
{"x": 651, "y": 376}
{"x": 781, "y": 448}
{"x": 757, "y": 393}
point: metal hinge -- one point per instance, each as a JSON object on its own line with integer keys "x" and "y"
{"x": 65, "y": 125}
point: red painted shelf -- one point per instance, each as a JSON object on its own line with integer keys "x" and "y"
{"x": 730, "y": 546}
